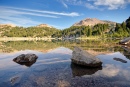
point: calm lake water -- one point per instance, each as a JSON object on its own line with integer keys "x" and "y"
{"x": 53, "y": 68}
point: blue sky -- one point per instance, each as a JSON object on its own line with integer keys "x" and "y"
{"x": 61, "y": 13}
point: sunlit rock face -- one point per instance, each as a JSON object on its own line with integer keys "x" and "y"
{"x": 83, "y": 58}
{"x": 92, "y": 22}
{"x": 26, "y": 59}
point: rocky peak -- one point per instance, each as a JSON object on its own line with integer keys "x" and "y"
{"x": 92, "y": 22}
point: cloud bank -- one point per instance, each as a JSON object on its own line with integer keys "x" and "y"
{"x": 99, "y": 4}
{"x": 23, "y": 16}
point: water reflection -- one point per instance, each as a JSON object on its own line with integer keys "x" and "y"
{"x": 80, "y": 70}
{"x": 53, "y": 68}
{"x": 126, "y": 51}
{"x": 109, "y": 70}
{"x": 45, "y": 46}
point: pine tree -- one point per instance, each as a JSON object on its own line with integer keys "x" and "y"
{"x": 89, "y": 32}
{"x": 117, "y": 26}
{"x": 128, "y": 24}
{"x": 123, "y": 25}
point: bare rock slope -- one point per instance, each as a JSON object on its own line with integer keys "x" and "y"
{"x": 92, "y": 22}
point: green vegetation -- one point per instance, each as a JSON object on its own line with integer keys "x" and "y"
{"x": 98, "y": 30}
{"x": 28, "y": 32}
{"x": 81, "y": 31}
{"x": 122, "y": 30}
{"x": 45, "y": 46}
{"x": 4, "y": 29}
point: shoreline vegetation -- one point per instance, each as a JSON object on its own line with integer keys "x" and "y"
{"x": 50, "y": 38}
{"x": 46, "y": 38}
{"x": 25, "y": 38}
{"x": 93, "y": 46}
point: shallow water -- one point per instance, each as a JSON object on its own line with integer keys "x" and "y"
{"x": 53, "y": 68}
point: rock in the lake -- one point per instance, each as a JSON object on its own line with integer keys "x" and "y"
{"x": 26, "y": 59}
{"x": 81, "y": 57}
{"x": 14, "y": 80}
{"x": 119, "y": 59}
{"x": 125, "y": 41}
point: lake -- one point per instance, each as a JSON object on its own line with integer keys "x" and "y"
{"x": 53, "y": 68}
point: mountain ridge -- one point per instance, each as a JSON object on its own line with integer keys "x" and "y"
{"x": 84, "y": 22}
{"x": 92, "y": 22}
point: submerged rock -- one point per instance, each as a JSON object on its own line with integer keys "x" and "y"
{"x": 26, "y": 59}
{"x": 119, "y": 59}
{"x": 14, "y": 80}
{"x": 81, "y": 57}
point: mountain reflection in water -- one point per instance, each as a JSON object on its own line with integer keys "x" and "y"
{"x": 53, "y": 68}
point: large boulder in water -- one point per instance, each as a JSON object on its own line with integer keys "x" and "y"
{"x": 26, "y": 59}
{"x": 81, "y": 57}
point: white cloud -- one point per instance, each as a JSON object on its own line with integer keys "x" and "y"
{"x": 90, "y": 6}
{"x": 64, "y": 4}
{"x": 19, "y": 20}
{"x": 15, "y": 17}
{"x": 111, "y": 4}
{"x": 16, "y": 12}
{"x": 22, "y": 16}
{"x": 99, "y": 4}
{"x": 70, "y": 2}
{"x": 71, "y": 14}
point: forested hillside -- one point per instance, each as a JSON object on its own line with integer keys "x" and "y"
{"x": 77, "y": 31}
{"x": 100, "y": 30}
{"x": 122, "y": 30}
{"x": 27, "y": 32}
